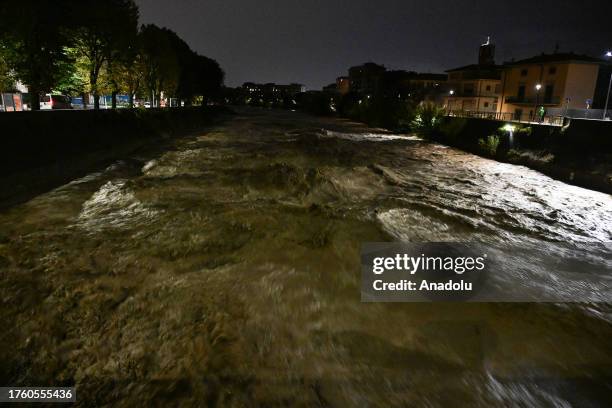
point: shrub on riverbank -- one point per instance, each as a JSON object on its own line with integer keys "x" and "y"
{"x": 427, "y": 118}
{"x": 489, "y": 145}
{"x": 390, "y": 112}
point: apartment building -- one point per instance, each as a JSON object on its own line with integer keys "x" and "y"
{"x": 475, "y": 87}
{"x": 557, "y": 82}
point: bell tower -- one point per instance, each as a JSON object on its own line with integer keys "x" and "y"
{"x": 486, "y": 54}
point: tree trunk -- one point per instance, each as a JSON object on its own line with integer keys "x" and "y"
{"x": 131, "y": 100}
{"x": 85, "y": 100}
{"x": 114, "y": 100}
{"x": 34, "y": 99}
{"x": 93, "y": 83}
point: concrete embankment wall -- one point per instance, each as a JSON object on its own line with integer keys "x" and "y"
{"x": 39, "y": 150}
{"x": 579, "y": 153}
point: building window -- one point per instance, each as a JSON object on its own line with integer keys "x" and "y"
{"x": 486, "y": 104}
{"x": 520, "y": 97}
{"x": 524, "y": 72}
{"x": 548, "y": 93}
{"x": 552, "y": 70}
{"x": 468, "y": 89}
{"x": 488, "y": 88}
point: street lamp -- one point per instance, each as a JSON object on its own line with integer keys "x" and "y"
{"x": 451, "y": 93}
{"x": 537, "y": 87}
{"x": 605, "y": 112}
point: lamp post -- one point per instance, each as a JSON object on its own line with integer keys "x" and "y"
{"x": 451, "y": 93}
{"x": 538, "y": 87}
{"x": 605, "y": 112}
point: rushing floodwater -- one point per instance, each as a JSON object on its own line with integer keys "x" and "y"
{"x": 226, "y": 271}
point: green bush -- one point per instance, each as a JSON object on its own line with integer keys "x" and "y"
{"x": 427, "y": 118}
{"x": 489, "y": 145}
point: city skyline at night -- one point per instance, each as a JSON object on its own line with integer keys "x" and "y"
{"x": 313, "y": 42}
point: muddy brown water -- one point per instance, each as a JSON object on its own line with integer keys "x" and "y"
{"x": 225, "y": 272}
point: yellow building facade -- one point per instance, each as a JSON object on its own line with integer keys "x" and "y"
{"x": 556, "y": 82}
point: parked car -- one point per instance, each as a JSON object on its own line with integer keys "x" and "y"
{"x": 50, "y": 101}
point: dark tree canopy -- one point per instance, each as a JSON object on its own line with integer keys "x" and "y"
{"x": 33, "y": 36}
{"x": 94, "y": 46}
{"x": 103, "y": 34}
{"x": 174, "y": 68}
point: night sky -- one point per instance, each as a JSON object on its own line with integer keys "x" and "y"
{"x": 314, "y": 41}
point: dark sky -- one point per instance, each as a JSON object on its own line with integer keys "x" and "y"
{"x": 314, "y": 41}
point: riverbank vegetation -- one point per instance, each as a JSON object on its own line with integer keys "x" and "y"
{"x": 398, "y": 113}
{"x": 95, "y": 47}
{"x": 576, "y": 154}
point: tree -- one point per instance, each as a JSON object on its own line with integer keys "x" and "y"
{"x": 160, "y": 62}
{"x": 33, "y": 40}
{"x": 209, "y": 77}
{"x": 197, "y": 75}
{"x": 7, "y": 80}
{"x": 133, "y": 76}
{"x": 104, "y": 32}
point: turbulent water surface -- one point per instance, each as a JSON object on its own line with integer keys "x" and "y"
{"x": 226, "y": 272}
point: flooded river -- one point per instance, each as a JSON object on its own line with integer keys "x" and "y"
{"x": 225, "y": 271}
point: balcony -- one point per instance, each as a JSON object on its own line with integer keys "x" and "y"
{"x": 515, "y": 100}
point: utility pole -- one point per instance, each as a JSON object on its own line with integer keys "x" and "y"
{"x": 607, "y": 98}
{"x": 608, "y": 55}
{"x": 538, "y": 87}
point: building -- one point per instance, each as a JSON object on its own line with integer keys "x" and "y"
{"x": 409, "y": 84}
{"x": 272, "y": 89}
{"x": 343, "y": 85}
{"x": 559, "y": 82}
{"x": 331, "y": 88}
{"x": 367, "y": 78}
{"x": 476, "y": 87}
{"x": 427, "y": 81}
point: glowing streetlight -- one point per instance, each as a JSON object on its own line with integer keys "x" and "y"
{"x": 537, "y": 87}
{"x": 450, "y": 93}
{"x": 605, "y": 113}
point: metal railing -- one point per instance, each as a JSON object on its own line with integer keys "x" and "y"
{"x": 552, "y": 120}
{"x": 533, "y": 100}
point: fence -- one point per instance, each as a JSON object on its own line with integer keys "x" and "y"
{"x": 10, "y": 102}
{"x": 547, "y": 119}
{"x": 592, "y": 114}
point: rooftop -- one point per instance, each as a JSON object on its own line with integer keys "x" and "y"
{"x": 476, "y": 67}
{"x": 558, "y": 57}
